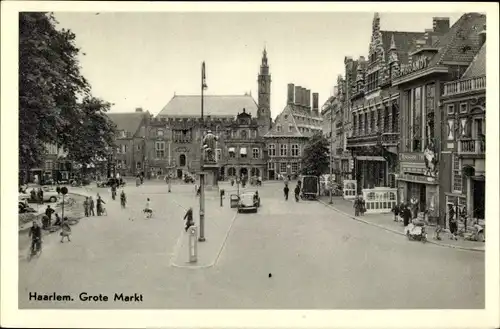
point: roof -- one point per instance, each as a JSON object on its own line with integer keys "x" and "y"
{"x": 478, "y": 66}
{"x": 127, "y": 121}
{"x": 462, "y": 42}
{"x": 404, "y": 43}
{"x": 284, "y": 120}
{"x": 213, "y": 105}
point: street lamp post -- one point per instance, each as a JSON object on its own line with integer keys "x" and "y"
{"x": 202, "y": 175}
{"x": 169, "y": 167}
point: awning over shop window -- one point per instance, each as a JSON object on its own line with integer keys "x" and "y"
{"x": 231, "y": 149}
{"x": 243, "y": 151}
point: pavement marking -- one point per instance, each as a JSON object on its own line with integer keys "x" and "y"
{"x": 398, "y": 232}
{"x": 225, "y": 239}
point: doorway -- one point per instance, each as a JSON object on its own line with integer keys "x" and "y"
{"x": 182, "y": 160}
{"x": 272, "y": 175}
{"x": 243, "y": 172}
{"x": 179, "y": 173}
{"x": 478, "y": 198}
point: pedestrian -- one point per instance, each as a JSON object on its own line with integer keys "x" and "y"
{"x": 362, "y": 209}
{"x": 453, "y": 222}
{"x": 58, "y": 190}
{"x": 65, "y": 230}
{"x": 99, "y": 203}
{"x": 188, "y": 217}
{"x": 58, "y": 220}
{"x": 297, "y": 192}
{"x": 395, "y": 210}
{"x": 123, "y": 199}
{"x": 45, "y": 222}
{"x": 198, "y": 191}
{"x": 91, "y": 207}
{"x": 40, "y": 195}
{"x": 406, "y": 212}
{"x": 232, "y": 181}
{"x": 48, "y": 212}
{"x": 86, "y": 205}
{"x": 142, "y": 179}
{"x": 356, "y": 206}
{"x": 285, "y": 191}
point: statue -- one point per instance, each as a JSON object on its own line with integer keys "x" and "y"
{"x": 209, "y": 146}
{"x": 430, "y": 160}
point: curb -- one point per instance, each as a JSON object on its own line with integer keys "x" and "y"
{"x": 398, "y": 232}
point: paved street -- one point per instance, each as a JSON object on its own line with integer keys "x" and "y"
{"x": 317, "y": 257}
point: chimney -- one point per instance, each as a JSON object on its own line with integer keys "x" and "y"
{"x": 315, "y": 106}
{"x": 289, "y": 99}
{"x": 302, "y": 97}
{"x": 441, "y": 25}
{"x": 308, "y": 99}
{"x": 138, "y": 109}
{"x": 297, "y": 95}
{"x": 482, "y": 36}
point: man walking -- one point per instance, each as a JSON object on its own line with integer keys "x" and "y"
{"x": 297, "y": 193}
{"x": 49, "y": 212}
{"x": 91, "y": 207}
{"x": 86, "y": 206}
{"x": 285, "y": 191}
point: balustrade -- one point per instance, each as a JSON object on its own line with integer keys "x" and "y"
{"x": 462, "y": 86}
{"x": 471, "y": 146}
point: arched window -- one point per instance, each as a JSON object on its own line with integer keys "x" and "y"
{"x": 182, "y": 160}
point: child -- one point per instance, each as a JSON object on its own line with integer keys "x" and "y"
{"x": 148, "y": 210}
{"x": 66, "y": 230}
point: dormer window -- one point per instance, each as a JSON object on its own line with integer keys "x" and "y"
{"x": 159, "y": 133}
{"x": 278, "y": 128}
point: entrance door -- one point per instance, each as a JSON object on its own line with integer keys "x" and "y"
{"x": 179, "y": 173}
{"x": 422, "y": 198}
{"x": 222, "y": 172}
{"x": 182, "y": 160}
{"x": 244, "y": 172}
{"x": 272, "y": 175}
{"x": 478, "y": 199}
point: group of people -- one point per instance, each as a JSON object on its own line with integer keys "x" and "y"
{"x": 89, "y": 206}
{"x": 37, "y": 195}
{"x": 286, "y": 191}
{"x": 359, "y": 206}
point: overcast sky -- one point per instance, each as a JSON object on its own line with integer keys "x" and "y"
{"x": 142, "y": 59}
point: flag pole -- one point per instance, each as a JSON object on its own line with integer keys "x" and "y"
{"x": 202, "y": 175}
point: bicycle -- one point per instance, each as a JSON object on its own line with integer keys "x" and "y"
{"x": 35, "y": 249}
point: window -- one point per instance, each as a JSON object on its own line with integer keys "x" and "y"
{"x": 417, "y": 121}
{"x": 283, "y": 167}
{"x": 254, "y": 133}
{"x": 138, "y": 165}
{"x": 295, "y": 167}
{"x": 283, "y": 150}
{"x": 457, "y": 174}
{"x": 270, "y": 166}
{"x": 49, "y": 165}
{"x": 372, "y": 81}
{"x": 271, "y": 149}
{"x": 159, "y": 133}
{"x": 290, "y": 127}
{"x": 286, "y": 116}
{"x": 372, "y": 122}
{"x": 243, "y": 152}
{"x": 123, "y": 148}
{"x": 355, "y": 125}
{"x": 232, "y": 154}
{"x": 123, "y": 134}
{"x": 243, "y": 134}
{"x": 463, "y": 108}
{"x": 160, "y": 149}
{"x": 278, "y": 128}
{"x": 255, "y": 153}
{"x": 138, "y": 147}
{"x": 218, "y": 153}
{"x": 379, "y": 120}
{"x": 295, "y": 150}
{"x": 451, "y": 109}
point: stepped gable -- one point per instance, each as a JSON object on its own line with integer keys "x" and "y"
{"x": 404, "y": 42}
{"x": 478, "y": 66}
{"x": 462, "y": 42}
{"x": 284, "y": 119}
{"x": 127, "y": 121}
{"x": 213, "y": 105}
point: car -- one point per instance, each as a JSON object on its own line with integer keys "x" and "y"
{"x": 248, "y": 202}
{"x": 49, "y": 194}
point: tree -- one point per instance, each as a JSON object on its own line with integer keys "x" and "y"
{"x": 93, "y": 134}
{"x": 315, "y": 159}
{"x": 55, "y": 101}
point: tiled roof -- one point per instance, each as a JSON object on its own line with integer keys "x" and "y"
{"x": 284, "y": 120}
{"x": 462, "y": 42}
{"x": 127, "y": 121}
{"x": 478, "y": 66}
{"x": 214, "y": 105}
{"x": 404, "y": 43}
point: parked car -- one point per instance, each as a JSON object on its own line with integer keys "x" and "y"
{"x": 248, "y": 202}
{"x": 49, "y": 194}
{"x": 310, "y": 187}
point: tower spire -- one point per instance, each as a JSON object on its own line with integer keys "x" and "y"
{"x": 376, "y": 22}
{"x": 393, "y": 43}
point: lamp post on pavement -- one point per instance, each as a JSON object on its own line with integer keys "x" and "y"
{"x": 331, "y": 155}
{"x": 202, "y": 174}
{"x": 169, "y": 167}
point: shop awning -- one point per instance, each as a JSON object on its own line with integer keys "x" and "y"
{"x": 231, "y": 149}
{"x": 243, "y": 151}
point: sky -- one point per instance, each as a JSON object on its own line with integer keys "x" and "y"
{"x": 143, "y": 59}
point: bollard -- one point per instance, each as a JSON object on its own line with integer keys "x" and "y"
{"x": 193, "y": 244}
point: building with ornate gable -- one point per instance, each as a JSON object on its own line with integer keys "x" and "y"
{"x": 174, "y": 136}
{"x": 291, "y": 130}
{"x": 463, "y": 110}
{"x": 441, "y": 55}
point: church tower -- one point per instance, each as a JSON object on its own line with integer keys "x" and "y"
{"x": 264, "y": 113}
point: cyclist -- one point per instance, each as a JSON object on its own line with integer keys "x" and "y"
{"x": 35, "y": 234}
